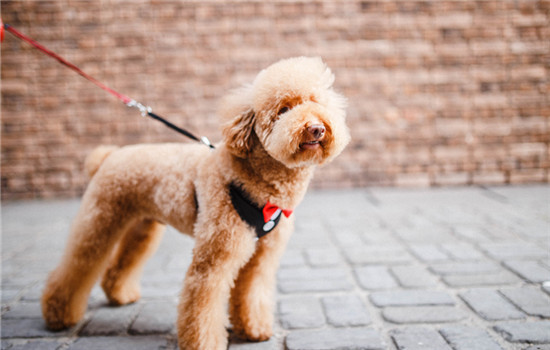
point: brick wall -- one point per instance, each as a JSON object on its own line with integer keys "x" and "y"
{"x": 440, "y": 92}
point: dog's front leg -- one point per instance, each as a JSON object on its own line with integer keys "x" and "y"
{"x": 202, "y": 313}
{"x": 252, "y": 301}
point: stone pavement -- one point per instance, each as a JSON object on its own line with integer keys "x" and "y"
{"x": 460, "y": 268}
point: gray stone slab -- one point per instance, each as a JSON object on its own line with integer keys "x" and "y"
{"x": 300, "y": 312}
{"x": 347, "y": 237}
{"x": 413, "y": 276}
{"x": 465, "y": 268}
{"x": 323, "y": 257}
{"x": 120, "y": 343}
{"x": 462, "y": 251}
{"x": 294, "y": 280}
{"x": 375, "y": 277}
{"x": 309, "y": 237}
{"x": 429, "y": 252}
{"x": 271, "y": 344}
{"x": 417, "y": 338}
{"x": 423, "y": 314}
{"x": 410, "y": 298}
{"x": 161, "y": 291}
{"x": 471, "y": 233}
{"x": 468, "y": 338}
{"x": 111, "y": 320}
{"x": 9, "y": 294}
{"x": 345, "y": 311}
{"x": 424, "y": 233}
{"x": 507, "y": 251}
{"x": 530, "y": 270}
{"x": 490, "y": 305}
{"x": 536, "y": 332}
{"x": 539, "y": 347}
{"x": 33, "y": 293}
{"x": 486, "y": 279}
{"x": 293, "y": 258}
{"x": 335, "y": 339}
{"x": 377, "y": 254}
{"x": 530, "y": 299}
{"x": 28, "y": 328}
{"x": 155, "y": 317}
{"x": 23, "y": 310}
{"x": 36, "y": 345}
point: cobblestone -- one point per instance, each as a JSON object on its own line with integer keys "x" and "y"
{"x": 504, "y": 251}
{"x": 294, "y": 280}
{"x": 375, "y": 277}
{"x": 324, "y": 257}
{"x": 410, "y": 298}
{"x": 465, "y": 268}
{"x": 423, "y": 314}
{"x": 468, "y": 338}
{"x": 111, "y": 321}
{"x": 483, "y": 279}
{"x": 416, "y": 338}
{"x": 378, "y": 254}
{"x": 343, "y": 338}
{"x": 119, "y": 343}
{"x": 346, "y": 311}
{"x": 36, "y": 345}
{"x": 490, "y": 305}
{"x": 301, "y": 312}
{"x": 529, "y": 299}
{"x": 413, "y": 276}
{"x": 155, "y": 317}
{"x": 530, "y": 332}
{"x": 366, "y": 269}
{"x": 27, "y": 328}
{"x": 530, "y": 270}
{"x": 429, "y": 252}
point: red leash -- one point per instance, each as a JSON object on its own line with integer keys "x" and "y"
{"x": 145, "y": 110}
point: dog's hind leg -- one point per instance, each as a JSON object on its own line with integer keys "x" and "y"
{"x": 121, "y": 280}
{"x": 97, "y": 228}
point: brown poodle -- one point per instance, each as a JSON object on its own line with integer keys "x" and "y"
{"x": 275, "y": 131}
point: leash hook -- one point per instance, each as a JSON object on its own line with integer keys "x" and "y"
{"x": 145, "y": 110}
{"x": 204, "y": 140}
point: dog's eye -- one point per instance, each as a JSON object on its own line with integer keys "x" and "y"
{"x": 283, "y": 110}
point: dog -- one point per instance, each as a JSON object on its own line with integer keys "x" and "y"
{"x": 235, "y": 200}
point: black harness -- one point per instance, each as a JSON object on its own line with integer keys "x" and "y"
{"x": 251, "y": 213}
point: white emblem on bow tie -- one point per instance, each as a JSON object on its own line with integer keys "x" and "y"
{"x": 268, "y": 226}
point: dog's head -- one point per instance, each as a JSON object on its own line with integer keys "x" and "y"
{"x": 291, "y": 111}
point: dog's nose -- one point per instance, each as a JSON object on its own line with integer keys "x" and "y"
{"x": 317, "y": 131}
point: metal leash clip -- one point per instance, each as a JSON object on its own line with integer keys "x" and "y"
{"x": 145, "y": 110}
{"x": 204, "y": 140}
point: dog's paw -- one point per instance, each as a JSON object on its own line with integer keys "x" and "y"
{"x": 122, "y": 295}
{"x": 58, "y": 319}
{"x": 59, "y": 311}
{"x": 258, "y": 335}
{"x": 257, "y": 332}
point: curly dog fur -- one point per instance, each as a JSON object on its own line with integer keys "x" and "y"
{"x": 275, "y": 131}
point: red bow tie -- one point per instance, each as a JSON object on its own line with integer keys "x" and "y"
{"x": 270, "y": 209}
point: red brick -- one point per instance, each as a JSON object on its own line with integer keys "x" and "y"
{"x": 489, "y": 178}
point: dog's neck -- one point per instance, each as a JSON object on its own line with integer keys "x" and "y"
{"x": 262, "y": 175}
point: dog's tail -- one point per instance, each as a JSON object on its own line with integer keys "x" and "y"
{"x": 96, "y": 158}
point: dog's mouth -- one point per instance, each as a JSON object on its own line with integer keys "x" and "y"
{"x": 310, "y": 145}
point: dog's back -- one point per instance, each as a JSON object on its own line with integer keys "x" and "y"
{"x": 96, "y": 158}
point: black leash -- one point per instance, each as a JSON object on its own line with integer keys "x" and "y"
{"x": 148, "y": 111}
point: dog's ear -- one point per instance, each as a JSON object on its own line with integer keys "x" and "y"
{"x": 238, "y": 126}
